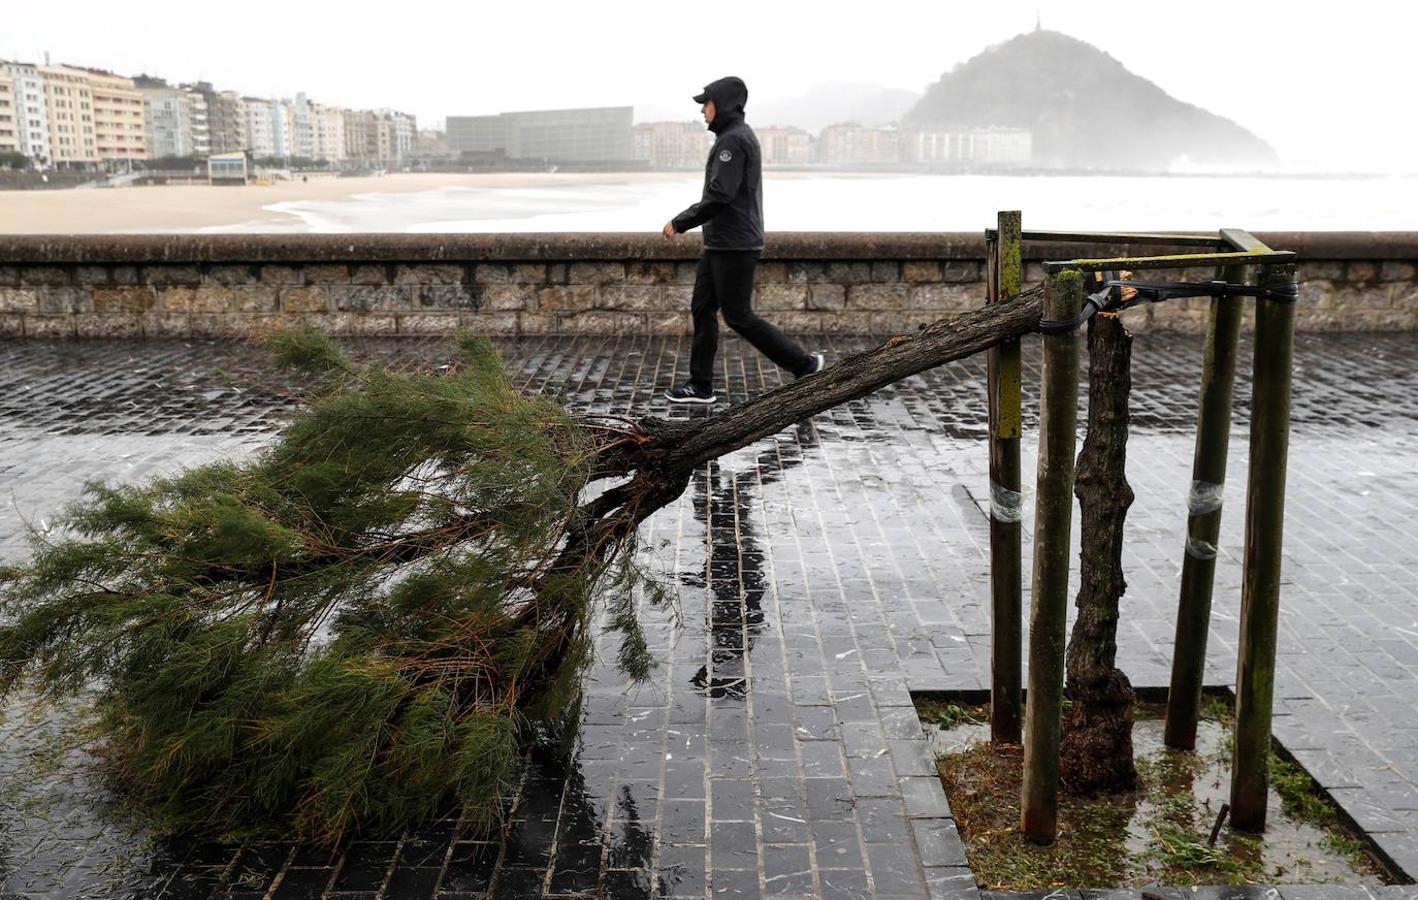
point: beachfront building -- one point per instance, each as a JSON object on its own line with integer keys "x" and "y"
{"x": 69, "y": 107}
{"x": 270, "y": 127}
{"x": 785, "y": 146}
{"x": 226, "y": 118}
{"x": 9, "y": 126}
{"x": 379, "y": 135}
{"x": 672, "y": 145}
{"x": 991, "y": 147}
{"x": 31, "y": 110}
{"x": 120, "y": 128}
{"x": 176, "y": 119}
{"x": 602, "y": 135}
{"x": 328, "y": 123}
{"x": 227, "y": 168}
{"x": 852, "y": 144}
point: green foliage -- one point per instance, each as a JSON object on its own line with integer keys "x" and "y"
{"x": 352, "y": 629}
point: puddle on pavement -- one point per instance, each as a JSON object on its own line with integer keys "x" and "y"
{"x": 1155, "y": 835}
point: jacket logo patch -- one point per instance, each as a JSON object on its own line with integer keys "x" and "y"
{"x": 725, "y": 156}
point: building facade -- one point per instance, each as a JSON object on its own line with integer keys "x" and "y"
{"x": 31, "y": 110}
{"x": 672, "y": 145}
{"x": 226, "y": 118}
{"x": 9, "y": 119}
{"x": 851, "y": 144}
{"x": 70, "y": 109}
{"x": 990, "y": 147}
{"x": 785, "y": 146}
{"x": 592, "y": 135}
{"x": 120, "y": 122}
{"x": 177, "y": 119}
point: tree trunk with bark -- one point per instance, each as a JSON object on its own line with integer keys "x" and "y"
{"x": 1096, "y": 753}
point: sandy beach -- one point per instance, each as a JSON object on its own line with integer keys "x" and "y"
{"x": 192, "y": 207}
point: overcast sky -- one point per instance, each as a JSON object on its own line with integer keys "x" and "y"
{"x": 1333, "y": 88}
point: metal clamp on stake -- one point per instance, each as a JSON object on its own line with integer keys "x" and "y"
{"x": 1157, "y": 291}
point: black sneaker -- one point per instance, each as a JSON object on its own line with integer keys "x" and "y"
{"x": 688, "y": 393}
{"x": 816, "y": 363}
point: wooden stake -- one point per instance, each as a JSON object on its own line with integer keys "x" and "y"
{"x": 1265, "y": 515}
{"x": 1213, "y": 432}
{"x": 1053, "y": 515}
{"x": 1006, "y": 568}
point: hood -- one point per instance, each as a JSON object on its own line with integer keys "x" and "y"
{"x": 730, "y": 96}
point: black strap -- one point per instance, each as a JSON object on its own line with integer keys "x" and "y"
{"x": 1156, "y": 291}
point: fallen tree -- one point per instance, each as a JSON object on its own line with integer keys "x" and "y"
{"x": 364, "y": 621}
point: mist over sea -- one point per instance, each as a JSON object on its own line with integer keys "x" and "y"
{"x": 858, "y": 202}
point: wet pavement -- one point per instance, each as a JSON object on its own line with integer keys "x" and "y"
{"x": 822, "y": 574}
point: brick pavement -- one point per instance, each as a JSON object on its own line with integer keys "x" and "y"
{"x": 822, "y": 575}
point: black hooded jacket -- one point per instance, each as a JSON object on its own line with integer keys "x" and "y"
{"x": 731, "y": 209}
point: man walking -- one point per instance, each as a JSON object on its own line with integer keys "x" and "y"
{"x": 731, "y": 212}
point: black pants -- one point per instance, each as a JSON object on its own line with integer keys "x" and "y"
{"x": 724, "y": 283}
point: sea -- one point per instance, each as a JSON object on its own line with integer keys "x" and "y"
{"x": 796, "y": 201}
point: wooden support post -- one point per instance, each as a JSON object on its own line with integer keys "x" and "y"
{"x": 1006, "y": 501}
{"x": 1213, "y": 433}
{"x": 1053, "y": 520}
{"x": 1265, "y": 515}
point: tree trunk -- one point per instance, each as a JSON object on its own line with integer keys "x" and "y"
{"x": 1096, "y": 751}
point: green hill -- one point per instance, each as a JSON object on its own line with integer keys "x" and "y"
{"x": 1084, "y": 109}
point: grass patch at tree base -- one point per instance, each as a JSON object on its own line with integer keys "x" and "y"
{"x": 1158, "y": 834}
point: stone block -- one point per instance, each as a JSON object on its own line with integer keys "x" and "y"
{"x": 19, "y": 300}
{"x": 679, "y": 296}
{"x": 574, "y": 298}
{"x": 448, "y": 296}
{"x": 960, "y": 271}
{"x": 805, "y": 272}
{"x": 494, "y": 323}
{"x": 160, "y": 324}
{"x": 368, "y": 297}
{"x": 304, "y": 299}
{"x": 668, "y": 324}
{"x": 827, "y": 296}
{"x": 631, "y": 297}
{"x": 1316, "y": 293}
{"x": 181, "y": 298}
{"x": 848, "y": 272}
{"x": 367, "y": 323}
{"x": 1403, "y": 296}
{"x": 920, "y": 271}
{"x": 125, "y": 299}
{"x": 430, "y": 273}
{"x": 557, "y": 273}
{"x": 232, "y": 273}
{"x": 248, "y": 298}
{"x": 686, "y": 272}
{"x": 510, "y": 297}
{"x": 877, "y": 296}
{"x": 70, "y": 300}
{"x": 93, "y": 275}
{"x": 537, "y": 323}
{"x": 327, "y": 273}
{"x": 12, "y": 325}
{"x": 599, "y": 321}
{"x": 771, "y": 273}
{"x": 596, "y": 273}
{"x": 492, "y": 273}
{"x": 945, "y": 299}
{"x": 108, "y": 325}
{"x": 124, "y": 274}
{"x": 642, "y": 272}
{"x": 50, "y": 326}
{"x": 780, "y": 296}
{"x": 1359, "y": 270}
{"x": 9, "y": 276}
{"x": 885, "y": 271}
{"x": 1396, "y": 270}
{"x": 529, "y": 273}
{"x": 220, "y": 298}
{"x": 428, "y": 323}
{"x": 171, "y": 274}
{"x": 51, "y": 276}
{"x": 1034, "y": 272}
{"x": 1326, "y": 269}
{"x": 370, "y": 274}
{"x": 280, "y": 274}
{"x": 805, "y": 321}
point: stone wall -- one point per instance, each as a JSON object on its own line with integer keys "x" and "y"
{"x": 234, "y": 285}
